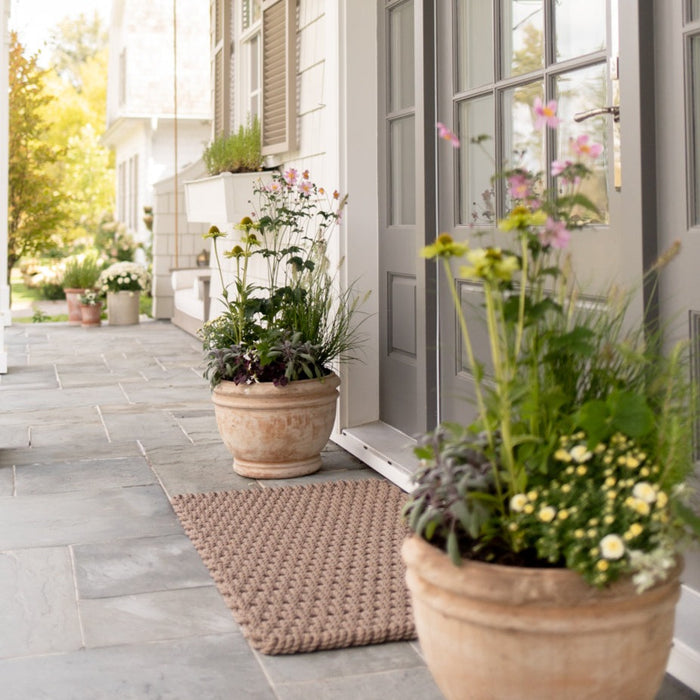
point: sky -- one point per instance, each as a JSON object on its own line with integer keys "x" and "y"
{"x": 34, "y": 20}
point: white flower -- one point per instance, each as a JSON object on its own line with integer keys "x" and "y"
{"x": 612, "y": 547}
{"x": 580, "y": 454}
{"x": 517, "y": 503}
{"x": 546, "y": 514}
{"x": 644, "y": 491}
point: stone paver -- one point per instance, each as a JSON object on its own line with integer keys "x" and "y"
{"x": 102, "y": 596}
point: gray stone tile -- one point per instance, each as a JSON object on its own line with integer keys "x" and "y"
{"x": 198, "y": 424}
{"x": 155, "y": 616}
{"x": 158, "y": 393}
{"x": 337, "y": 663}
{"x": 85, "y": 517}
{"x": 13, "y": 435}
{"x": 59, "y": 453}
{"x": 138, "y": 565}
{"x": 196, "y": 468}
{"x": 403, "y": 684}
{"x": 142, "y": 424}
{"x": 67, "y": 433}
{"x": 83, "y": 475}
{"x": 37, "y": 602}
{"x": 20, "y": 399}
{"x": 7, "y": 482}
{"x": 28, "y": 377}
{"x": 199, "y": 668}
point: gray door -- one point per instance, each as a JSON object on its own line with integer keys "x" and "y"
{"x": 406, "y": 218}
{"x": 494, "y": 59}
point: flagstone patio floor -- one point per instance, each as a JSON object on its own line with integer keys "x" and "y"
{"x": 102, "y": 596}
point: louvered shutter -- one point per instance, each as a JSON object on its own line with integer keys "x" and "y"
{"x": 220, "y": 30}
{"x": 278, "y": 123}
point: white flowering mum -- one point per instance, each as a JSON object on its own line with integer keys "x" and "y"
{"x": 612, "y": 547}
{"x": 644, "y": 491}
{"x": 124, "y": 276}
{"x": 518, "y": 502}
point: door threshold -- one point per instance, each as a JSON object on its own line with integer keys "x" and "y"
{"x": 383, "y": 448}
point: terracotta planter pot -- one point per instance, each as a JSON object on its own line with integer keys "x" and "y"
{"x": 91, "y": 315}
{"x": 490, "y": 631}
{"x": 276, "y": 432}
{"x": 123, "y": 308}
{"x": 73, "y": 300}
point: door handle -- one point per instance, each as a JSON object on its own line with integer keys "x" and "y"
{"x": 614, "y": 110}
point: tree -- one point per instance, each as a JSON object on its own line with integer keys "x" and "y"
{"x": 35, "y": 203}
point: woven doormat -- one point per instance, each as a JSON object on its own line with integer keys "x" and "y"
{"x": 308, "y": 567}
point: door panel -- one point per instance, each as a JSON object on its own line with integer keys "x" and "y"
{"x": 552, "y": 50}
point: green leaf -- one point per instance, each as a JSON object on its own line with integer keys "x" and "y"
{"x": 453, "y": 548}
{"x": 631, "y": 414}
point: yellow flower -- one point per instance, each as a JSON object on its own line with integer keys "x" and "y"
{"x": 563, "y": 514}
{"x": 213, "y": 233}
{"x": 602, "y": 565}
{"x": 566, "y": 488}
{"x": 609, "y": 519}
{"x": 579, "y": 533}
{"x": 581, "y": 470}
{"x": 661, "y": 499}
{"x": 633, "y": 531}
{"x": 521, "y": 218}
{"x": 532, "y": 495}
{"x": 610, "y": 481}
{"x": 562, "y": 455}
{"x": 547, "y": 514}
{"x": 611, "y": 495}
{"x": 444, "y": 247}
{"x": 529, "y": 509}
{"x": 490, "y": 264}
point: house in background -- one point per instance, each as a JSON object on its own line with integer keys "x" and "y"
{"x": 351, "y": 90}
{"x": 150, "y": 135}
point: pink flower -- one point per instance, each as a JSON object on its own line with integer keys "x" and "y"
{"x": 305, "y": 187}
{"x": 519, "y": 186}
{"x": 545, "y": 114}
{"x": 559, "y": 166}
{"x": 554, "y": 234}
{"x": 290, "y": 177}
{"x": 274, "y": 186}
{"x": 445, "y": 133}
{"x": 583, "y": 148}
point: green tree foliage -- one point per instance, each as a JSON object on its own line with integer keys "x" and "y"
{"x": 36, "y": 205}
{"x": 77, "y": 116}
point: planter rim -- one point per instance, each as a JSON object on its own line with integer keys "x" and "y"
{"x": 524, "y": 583}
{"x": 224, "y": 175}
{"x": 226, "y": 386}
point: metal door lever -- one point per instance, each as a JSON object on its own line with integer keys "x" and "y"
{"x": 614, "y": 110}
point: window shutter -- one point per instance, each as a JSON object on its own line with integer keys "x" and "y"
{"x": 220, "y": 32}
{"x": 278, "y": 124}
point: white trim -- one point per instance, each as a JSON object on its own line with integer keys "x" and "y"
{"x": 5, "y": 315}
{"x": 684, "y": 665}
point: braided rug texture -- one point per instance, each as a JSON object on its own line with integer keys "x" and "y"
{"x": 307, "y": 567}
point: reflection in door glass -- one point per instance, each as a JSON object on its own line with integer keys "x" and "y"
{"x": 476, "y": 161}
{"x": 522, "y": 31}
{"x": 579, "y": 27}
{"x": 402, "y": 172}
{"x": 401, "y": 91}
{"x": 578, "y": 91}
{"x": 474, "y": 40}
{"x": 523, "y": 145}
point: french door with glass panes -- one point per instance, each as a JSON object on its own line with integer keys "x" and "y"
{"x": 494, "y": 57}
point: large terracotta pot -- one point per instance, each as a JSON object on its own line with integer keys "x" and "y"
{"x": 276, "y": 432}
{"x": 73, "y": 301}
{"x": 508, "y": 633}
{"x": 122, "y": 308}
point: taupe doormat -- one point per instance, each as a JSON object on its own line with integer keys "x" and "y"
{"x": 308, "y": 567}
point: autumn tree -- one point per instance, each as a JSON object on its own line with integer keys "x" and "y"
{"x": 36, "y": 205}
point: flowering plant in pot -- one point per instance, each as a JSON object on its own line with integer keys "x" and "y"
{"x": 122, "y": 282}
{"x": 570, "y": 486}
{"x": 80, "y": 272}
{"x": 285, "y": 319}
{"x": 91, "y": 307}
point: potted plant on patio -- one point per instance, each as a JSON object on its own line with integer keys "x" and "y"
{"x": 269, "y": 354}
{"x": 91, "y": 308}
{"x": 80, "y": 272}
{"x": 233, "y": 164}
{"x": 122, "y": 282}
{"x": 546, "y": 557}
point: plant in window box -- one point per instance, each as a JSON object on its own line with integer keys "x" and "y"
{"x": 233, "y": 162}
{"x": 269, "y": 354}
{"x": 548, "y": 532}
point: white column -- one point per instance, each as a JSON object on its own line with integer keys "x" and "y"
{"x": 5, "y": 316}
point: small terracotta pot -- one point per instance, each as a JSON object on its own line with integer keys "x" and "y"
{"x": 75, "y": 317}
{"x": 508, "y": 632}
{"x": 91, "y": 315}
{"x": 276, "y": 432}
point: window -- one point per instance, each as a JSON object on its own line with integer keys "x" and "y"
{"x": 220, "y": 65}
{"x": 250, "y": 50}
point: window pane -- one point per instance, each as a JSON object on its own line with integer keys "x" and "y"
{"x": 694, "y": 10}
{"x": 401, "y": 95}
{"x": 695, "y": 118}
{"x": 402, "y": 160}
{"x": 578, "y": 91}
{"x": 250, "y": 12}
{"x": 523, "y": 145}
{"x": 476, "y": 164}
{"x": 522, "y": 30}
{"x": 474, "y": 44}
{"x": 580, "y": 28}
